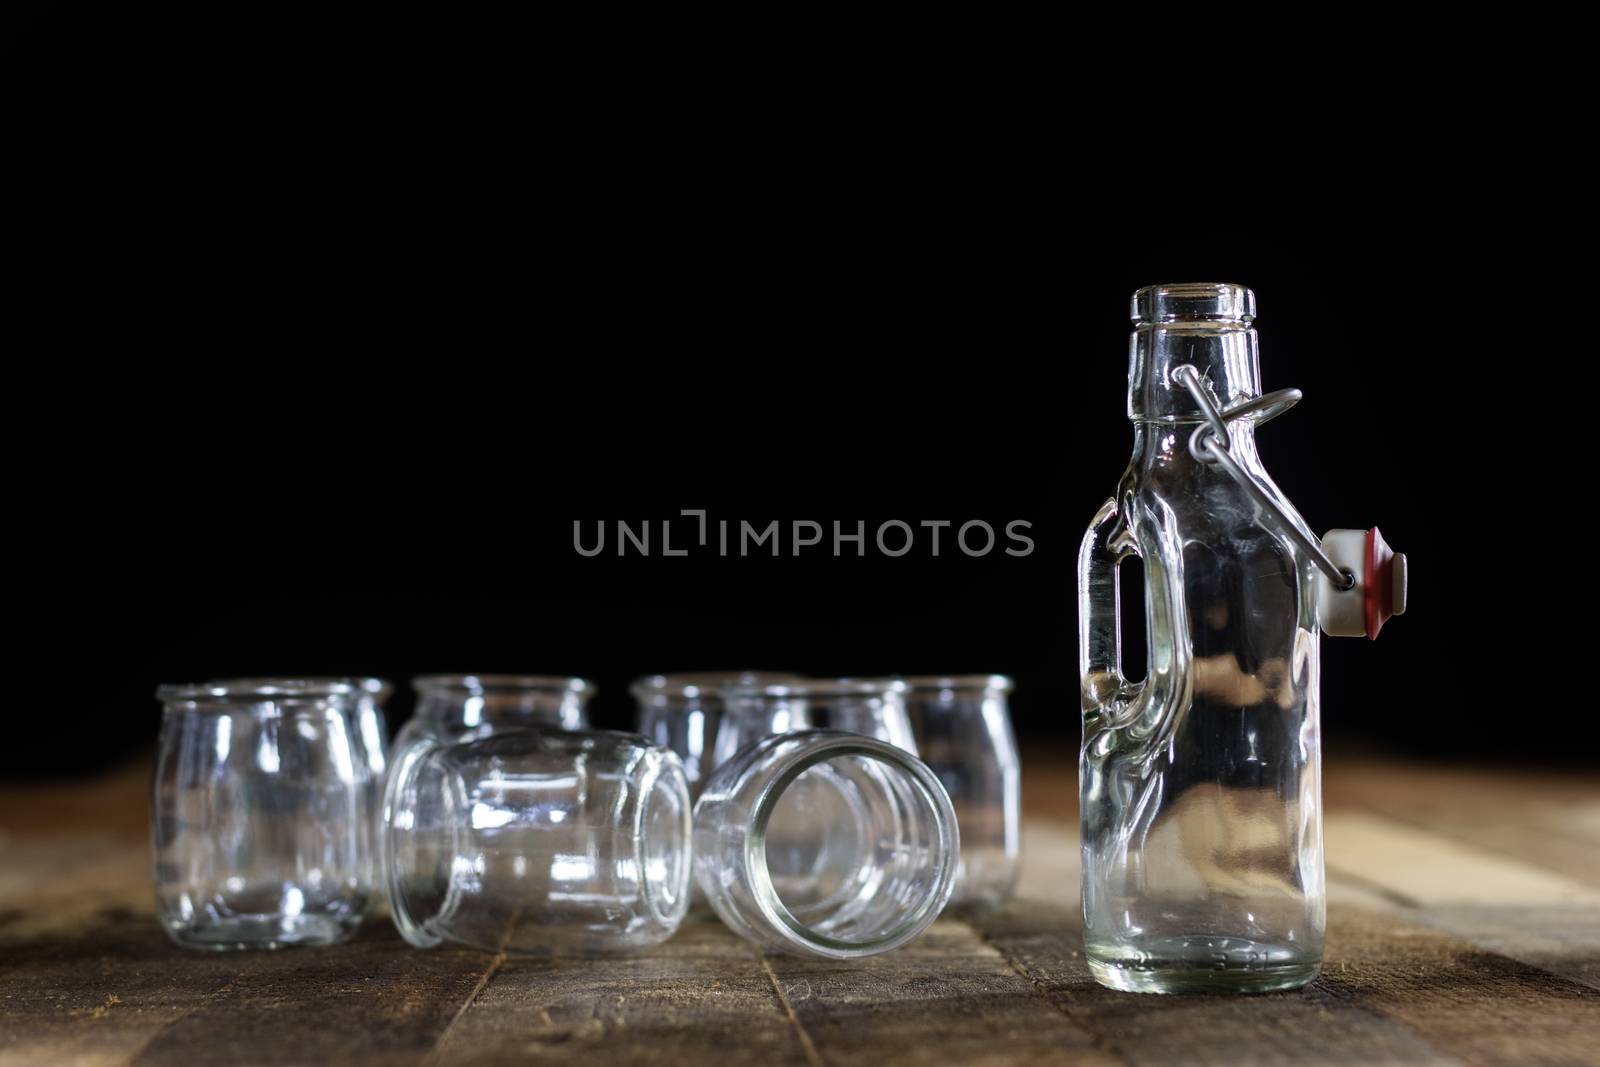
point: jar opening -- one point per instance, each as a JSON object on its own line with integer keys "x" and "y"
{"x": 663, "y": 846}
{"x": 703, "y": 683}
{"x": 483, "y": 683}
{"x": 853, "y": 850}
{"x": 829, "y": 687}
{"x": 963, "y": 683}
{"x": 260, "y": 689}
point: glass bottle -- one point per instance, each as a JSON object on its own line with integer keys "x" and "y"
{"x": 262, "y": 814}
{"x": 881, "y": 836}
{"x": 963, "y": 730}
{"x": 1201, "y": 807}
{"x": 454, "y": 706}
{"x": 538, "y": 841}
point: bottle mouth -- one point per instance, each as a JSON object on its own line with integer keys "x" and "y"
{"x": 1199, "y": 302}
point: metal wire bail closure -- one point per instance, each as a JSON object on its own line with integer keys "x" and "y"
{"x": 1209, "y": 445}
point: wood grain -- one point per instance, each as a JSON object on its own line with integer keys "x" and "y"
{"x": 1446, "y": 946}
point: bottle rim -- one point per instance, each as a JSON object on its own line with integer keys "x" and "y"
{"x": 1197, "y": 302}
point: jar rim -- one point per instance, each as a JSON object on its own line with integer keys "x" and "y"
{"x": 378, "y": 687}
{"x": 829, "y": 745}
{"x": 821, "y": 687}
{"x": 920, "y": 683}
{"x": 705, "y": 683}
{"x": 244, "y": 689}
{"x": 480, "y": 683}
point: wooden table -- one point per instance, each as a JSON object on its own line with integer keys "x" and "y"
{"x": 1463, "y": 928}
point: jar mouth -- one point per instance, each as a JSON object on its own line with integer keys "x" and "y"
{"x": 259, "y": 689}
{"x": 966, "y": 683}
{"x": 501, "y": 683}
{"x": 833, "y": 745}
{"x": 662, "y": 835}
{"x": 704, "y": 683}
{"x": 378, "y": 687}
{"x": 820, "y": 687}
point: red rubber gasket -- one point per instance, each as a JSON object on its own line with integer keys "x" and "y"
{"x": 1378, "y": 579}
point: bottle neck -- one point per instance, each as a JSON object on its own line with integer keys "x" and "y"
{"x": 1224, "y": 353}
{"x": 1165, "y": 443}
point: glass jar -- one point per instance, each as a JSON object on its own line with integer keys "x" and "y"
{"x": 371, "y": 736}
{"x": 963, "y": 730}
{"x": 262, "y": 814}
{"x": 859, "y": 863}
{"x": 455, "y": 706}
{"x": 874, "y": 707}
{"x": 538, "y": 842}
{"x": 1201, "y": 806}
{"x": 373, "y": 726}
{"x": 683, "y": 712}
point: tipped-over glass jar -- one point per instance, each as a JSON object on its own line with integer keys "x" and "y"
{"x": 540, "y": 842}
{"x": 457, "y": 706}
{"x": 828, "y": 844}
{"x": 963, "y": 730}
{"x": 262, "y": 814}
{"x": 684, "y": 712}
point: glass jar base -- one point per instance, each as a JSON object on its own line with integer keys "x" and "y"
{"x": 263, "y": 932}
{"x": 1249, "y": 967}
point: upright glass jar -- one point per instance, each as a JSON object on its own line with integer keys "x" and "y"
{"x": 873, "y": 707}
{"x": 373, "y": 726}
{"x": 1201, "y": 806}
{"x": 963, "y": 730}
{"x": 262, "y": 814}
{"x": 538, "y": 841}
{"x": 827, "y": 844}
{"x": 371, "y": 737}
{"x": 456, "y": 706}
{"x": 683, "y": 712}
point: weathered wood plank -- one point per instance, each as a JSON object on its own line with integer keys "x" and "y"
{"x": 99, "y": 994}
{"x": 703, "y": 997}
{"x": 1045, "y": 942}
{"x": 1558, "y": 939}
{"x": 946, "y": 998}
{"x": 63, "y": 886}
{"x": 1480, "y": 1007}
{"x": 1547, "y": 818}
{"x": 374, "y": 1000}
{"x": 1445, "y": 946}
{"x": 1424, "y": 868}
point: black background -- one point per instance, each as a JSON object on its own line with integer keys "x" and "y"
{"x": 333, "y": 370}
